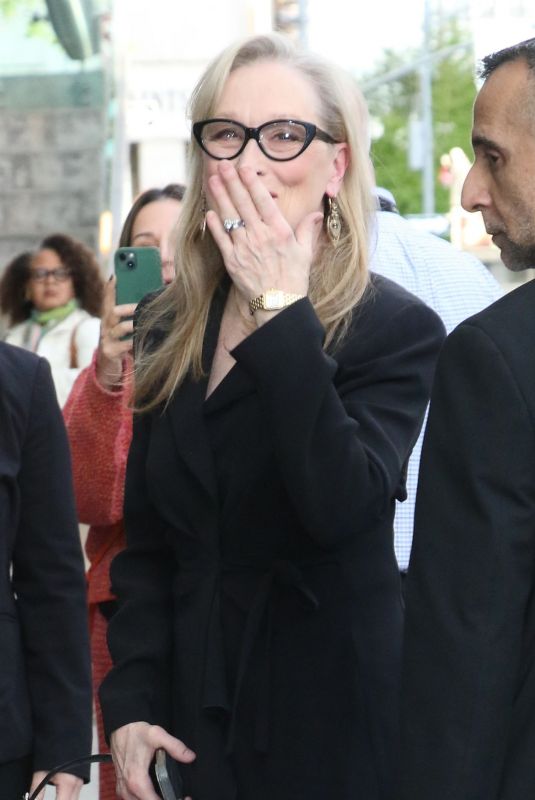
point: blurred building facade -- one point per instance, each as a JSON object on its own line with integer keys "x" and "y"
{"x": 52, "y": 137}
{"x": 79, "y": 139}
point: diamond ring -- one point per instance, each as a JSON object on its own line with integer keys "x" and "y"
{"x": 233, "y": 224}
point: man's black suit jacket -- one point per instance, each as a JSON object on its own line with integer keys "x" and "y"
{"x": 469, "y": 659}
{"x": 45, "y": 687}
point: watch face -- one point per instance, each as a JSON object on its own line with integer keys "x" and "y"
{"x": 273, "y": 300}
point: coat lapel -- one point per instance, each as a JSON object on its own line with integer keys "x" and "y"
{"x": 189, "y": 407}
{"x": 237, "y": 382}
{"x": 186, "y": 416}
{"x": 186, "y": 409}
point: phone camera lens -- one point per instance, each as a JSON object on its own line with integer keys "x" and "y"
{"x": 122, "y": 256}
{"x": 130, "y": 264}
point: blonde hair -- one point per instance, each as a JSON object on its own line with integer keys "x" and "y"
{"x": 339, "y": 276}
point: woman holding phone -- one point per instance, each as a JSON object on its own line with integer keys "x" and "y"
{"x": 98, "y": 418}
{"x": 279, "y": 388}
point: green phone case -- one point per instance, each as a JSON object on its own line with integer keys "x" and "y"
{"x": 138, "y": 272}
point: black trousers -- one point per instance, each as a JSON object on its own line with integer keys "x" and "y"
{"x": 15, "y": 778}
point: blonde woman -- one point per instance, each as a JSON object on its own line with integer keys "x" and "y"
{"x": 279, "y": 389}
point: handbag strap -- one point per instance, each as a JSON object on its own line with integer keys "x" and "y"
{"x": 95, "y": 758}
{"x": 73, "y": 348}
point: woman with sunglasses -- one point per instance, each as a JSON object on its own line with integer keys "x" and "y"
{"x": 279, "y": 389}
{"x": 52, "y": 299}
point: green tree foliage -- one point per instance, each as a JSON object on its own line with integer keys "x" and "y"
{"x": 392, "y": 104}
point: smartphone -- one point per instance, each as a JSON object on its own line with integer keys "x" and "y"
{"x": 138, "y": 271}
{"x": 166, "y": 777}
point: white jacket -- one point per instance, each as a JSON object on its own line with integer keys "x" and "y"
{"x": 77, "y": 335}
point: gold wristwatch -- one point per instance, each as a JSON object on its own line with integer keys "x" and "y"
{"x": 273, "y": 300}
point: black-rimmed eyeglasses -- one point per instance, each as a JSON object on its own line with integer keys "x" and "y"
{"x": 278, "y": 139}
{"x": 59, "y": 274}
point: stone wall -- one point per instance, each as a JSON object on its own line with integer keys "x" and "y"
{"x": 52, "y": 164}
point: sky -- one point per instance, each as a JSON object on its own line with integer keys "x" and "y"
{"x": 355, "y": 35}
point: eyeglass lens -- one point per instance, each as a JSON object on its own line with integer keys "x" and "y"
{"x": 41, "y": 274}
{"x": 278, "y": 139}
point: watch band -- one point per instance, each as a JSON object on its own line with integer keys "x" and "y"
{"x": 273, "y": 300}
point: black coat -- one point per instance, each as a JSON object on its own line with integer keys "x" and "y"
{"x": 45, "y": 681}
{"x": 469, "y": 666}
{"x": 260, "y": 570}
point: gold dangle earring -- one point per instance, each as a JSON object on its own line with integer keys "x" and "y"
{"x": 334, "y": 222}
{"x": 204, "y": 209}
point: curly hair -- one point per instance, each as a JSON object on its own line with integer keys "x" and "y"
{"x": 13, "y": 301}
{"x": 79, "y": 259}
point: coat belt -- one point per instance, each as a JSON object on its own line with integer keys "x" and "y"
{"x": 257, "y": 632}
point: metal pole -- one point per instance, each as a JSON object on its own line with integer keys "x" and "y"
{"x": 428, "y": 176}
{"x": 303, "y": 23}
